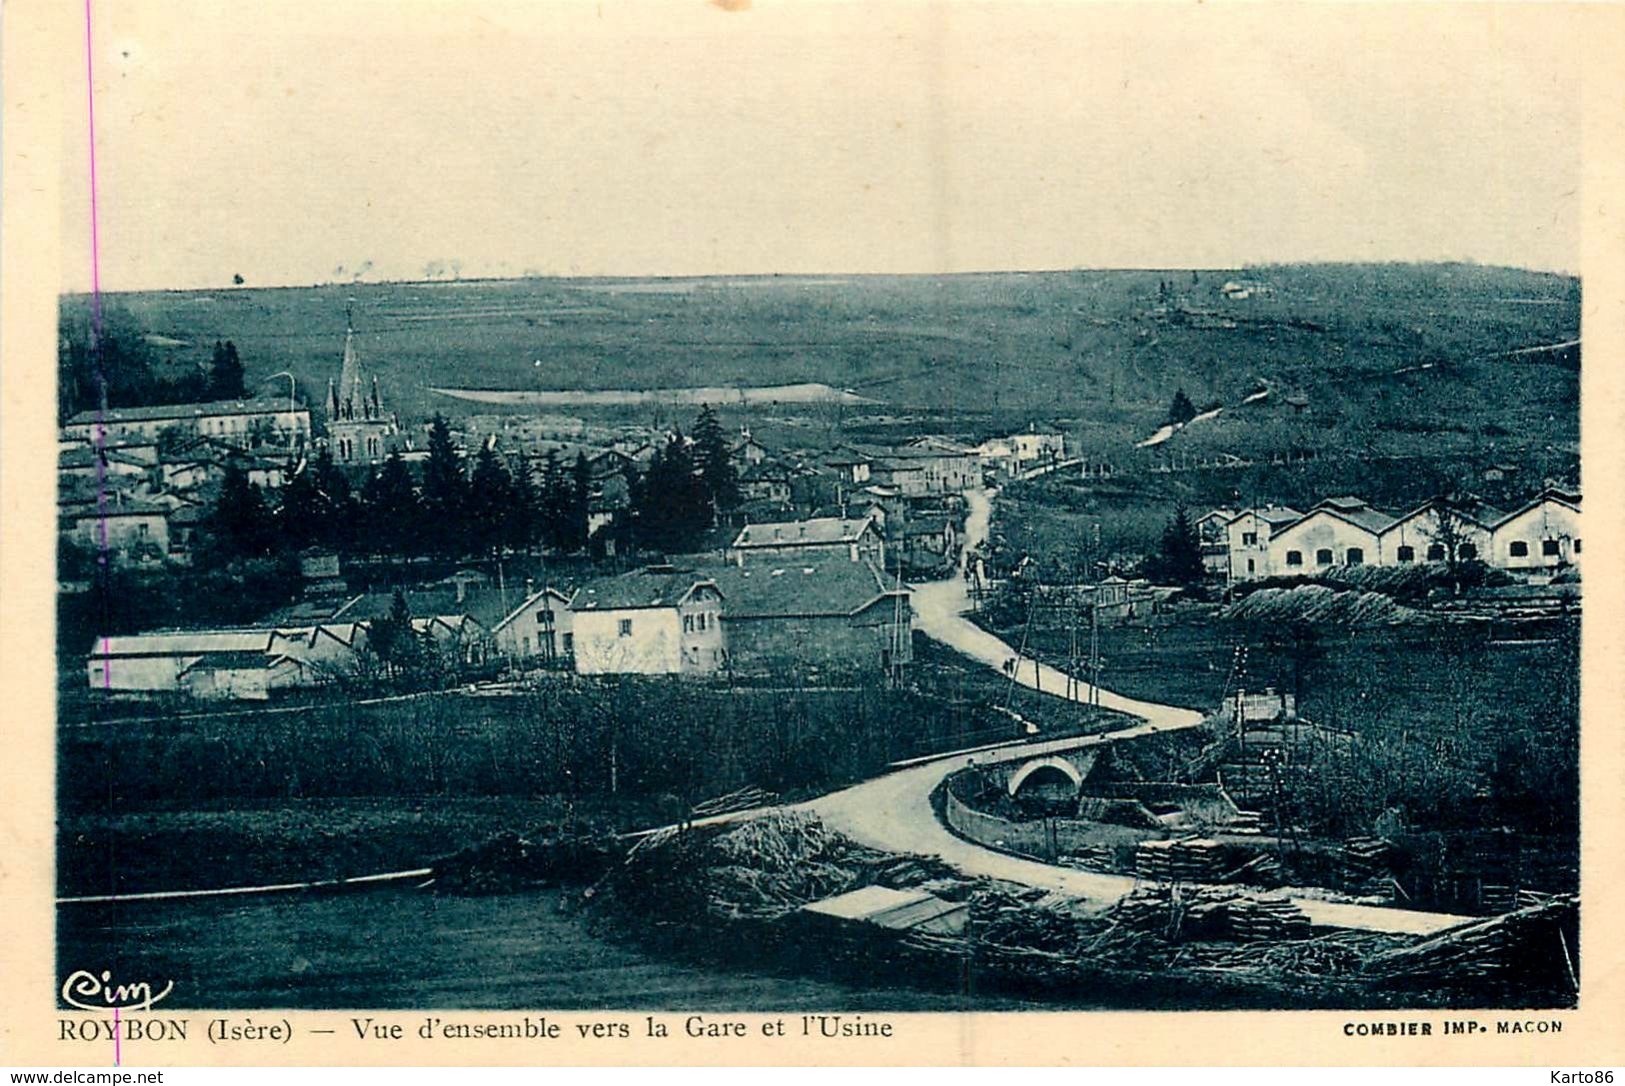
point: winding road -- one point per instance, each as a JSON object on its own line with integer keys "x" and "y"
{"x": 893, "y": 812}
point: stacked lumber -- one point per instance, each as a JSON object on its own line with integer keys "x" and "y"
{"x": 1532, "y": 945}
{"x": 1092, "y": 858}
{"x": 1245, "y": 822}
{"x": 1210, "y": 912}
{"x": 1195, "y": 859}
{"x": 742, "y": 799}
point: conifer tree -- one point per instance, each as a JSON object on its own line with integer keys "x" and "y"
{"x": 226, "y": 372}
{"x": 715, "y": 462}
{"x": 240, "y": 525}
{"x": 445, "y": 492}
{"x": 391, "y": 509}
{"x": 490, "y": 501}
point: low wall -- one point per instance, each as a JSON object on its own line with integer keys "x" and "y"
{"x": 1034, "y": 838}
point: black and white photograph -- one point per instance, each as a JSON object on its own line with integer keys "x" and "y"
{"x": 828, "y": 510}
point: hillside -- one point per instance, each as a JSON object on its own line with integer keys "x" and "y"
{"x": 1105, "y": 349}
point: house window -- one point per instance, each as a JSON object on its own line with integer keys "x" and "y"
{"x": 700, "y": 621}
{"x": 1467, "y": 552}
{"x": 1294, "y": 558}
{"x": 1406, "y": 554}
{"x": 569, "y": 643}
{"x": 1249, "y": 539}
{"x": 544, "y": 618}
{"x": 525, "y": 645}
{"x": 1355, "y": 556}
{"x": 1519, "y": 549}
{"x": 1550, "y": 548}
{"x": 626, "y": 627}
{"x": 688, "y": 623}
{"x": 1250, "y": 565}
{"x": 1435, "y": 552}
{"x": 1323, "y": 556}
{"x": 1576, "y": 546}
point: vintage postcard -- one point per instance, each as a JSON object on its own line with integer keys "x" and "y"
{"x": 759, "y": 532}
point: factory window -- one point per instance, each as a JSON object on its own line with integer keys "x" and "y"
{"x": 1519, "y": 549}
{"x": 1406, "y": 554}
{"x": 1436, "y": 552}
{"x": 1467, "y": 552}
{"x": 1294, "y": 558}
{"x": 1323, "y": 556}
{"x": 1550, "y": 548}
{"x": 1355, "y": 556}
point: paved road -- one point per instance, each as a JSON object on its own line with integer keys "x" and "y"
{"x": 894, "y": 812}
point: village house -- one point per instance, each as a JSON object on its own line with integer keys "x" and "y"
{"x": 854, "y": 539}
{"x": 1248, "y": 535}
{"x": 233, "y": 421}
{"x": 1541, "y": 534}
{"x": 131, "y": 530}
{"x": 747, "y": 450}
{"x": 832, "y": 614}
{"x": 1336, "y": 532}
{"x": 997, "y": 457}
{"x": 152, "y": 663}
{"x": 766, "y": 482}
{"x": 930, "y": 543}
{"x": 1215, "y": 540}
{"x": 538, "y": 630}
{"x": 653, "y": 621}
{"x": 1038, "y": 444}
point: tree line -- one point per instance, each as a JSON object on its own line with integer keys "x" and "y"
{"x": 480, "y": 505}
{"x": 110, "y": 360}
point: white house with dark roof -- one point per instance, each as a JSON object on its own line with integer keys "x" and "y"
{"x": 1247, "y": 537}
{"x": 1337, "y": 532}
{"x": 1440, "y": 531}
{"x": 857, "y": 539}
{"x": 540, "y": 628}
{"x": 654, "y": 621}
{"x": 1541, "y": 534}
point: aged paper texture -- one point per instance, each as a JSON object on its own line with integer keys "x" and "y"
{"x": 1062, "y": 518}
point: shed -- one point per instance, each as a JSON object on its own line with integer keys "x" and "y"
{"x": 894, "y": 910}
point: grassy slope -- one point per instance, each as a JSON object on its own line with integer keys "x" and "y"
{"x": 997, "y": 347}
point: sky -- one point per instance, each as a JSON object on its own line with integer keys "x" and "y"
{"x": 304, "y": 143}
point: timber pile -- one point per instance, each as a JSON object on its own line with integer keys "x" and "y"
{"x": 1317, "y": 603}
{"x": 760, "y": 869}
{"x": 1534, "y": 945}
{"x": 1194, "y": 859}
{"x": 1210, "y": 912}
{"x": 743, "y": 799}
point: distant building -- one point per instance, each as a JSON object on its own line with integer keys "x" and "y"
{"x": 1038, "y": 444}
{"x": 241, "y": 676}
{"x": 151, "y": 663}
{"x": 1247, "y": 539}
{"x": 237, "y": 422}
{"x": 748, "y": 450}
{"x": 539, "y": 629}
{"x": 359, "y": 430}
{"x": 833, "y": 614}
{"x": 1336, "y": 532}
{"x": 654, "y": 621}
{"x": 132, "y": 531}
{"x": 1541, "y": 534}
{"x": 856, "y": 540}
{"x": 1211, "y": 532}
{"x": 1439, "y": 531}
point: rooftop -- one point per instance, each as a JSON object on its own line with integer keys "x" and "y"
{"x": 644, "y": 588}
{"x": 829, "y": 587}
{"x": 818, "y": 530}
{"x": 213, "y": 408}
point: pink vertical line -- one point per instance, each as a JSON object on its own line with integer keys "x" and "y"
{"x": 118, "y": 1049}
{"x": 100, "y": 441}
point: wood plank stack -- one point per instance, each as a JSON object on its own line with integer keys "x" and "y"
{"x": 1195, "y": 859}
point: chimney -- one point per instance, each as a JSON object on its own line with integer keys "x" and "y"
{"x": 530, "y": 587}
{"x": 462, "y": 589}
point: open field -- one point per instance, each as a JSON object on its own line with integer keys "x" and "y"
{"x": 1098, "y": 348}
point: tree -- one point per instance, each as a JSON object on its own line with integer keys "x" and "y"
{"x": 1179, "y": 559}
{"x": 553, "y": 502}
{"x": 580, "y": 498}
{"x": 109, "y": 356}
{"x": 445, "y": 493}
{"x": 391, "y": 637}
{"x": 240, "y": 525}
{"x": 391, "y": 510}
{"x": 715, "y": 462}
{"x": 490, "y": 501}
{"x": 1181, "y": 410}
{"x": 226, "y": 372}
{"x": 521, "y": 524}
{"x": 306, "y": 511}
